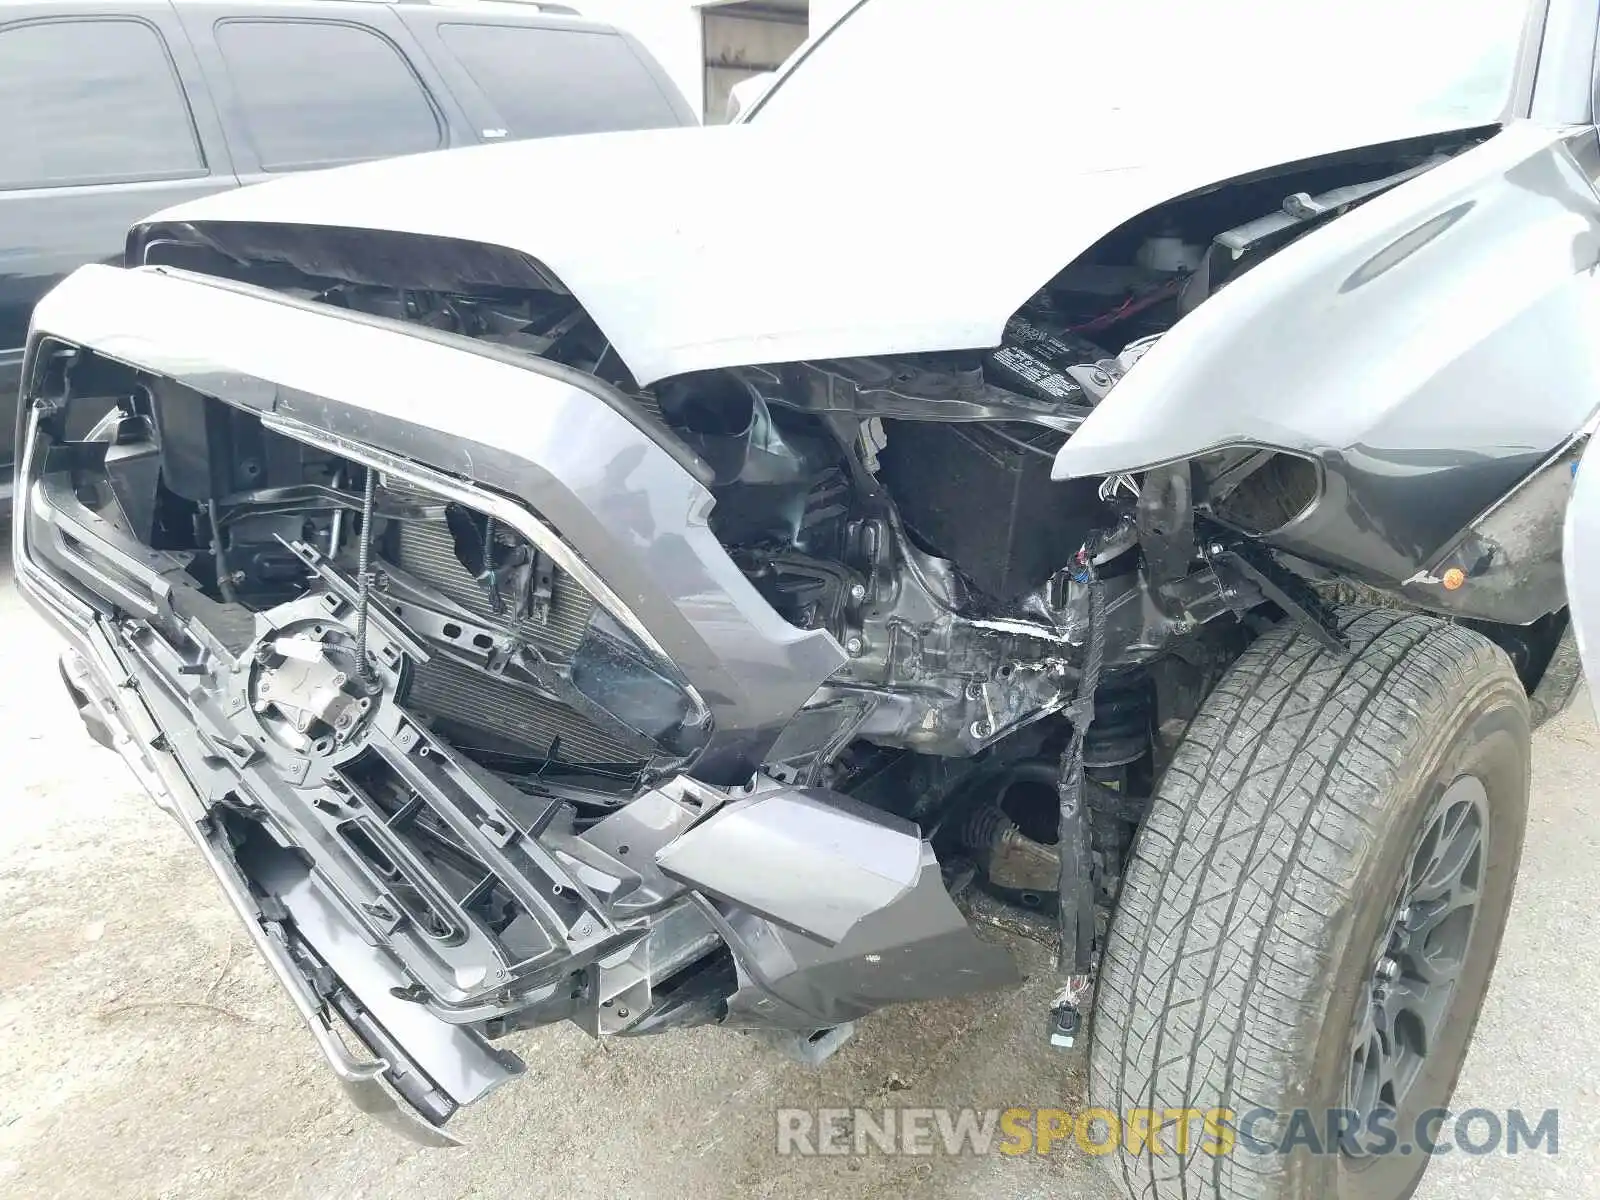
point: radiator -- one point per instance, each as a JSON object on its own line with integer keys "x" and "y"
{"x": 511, "y": 711}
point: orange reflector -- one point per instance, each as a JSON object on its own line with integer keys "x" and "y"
{"x": 1454, "y": 578}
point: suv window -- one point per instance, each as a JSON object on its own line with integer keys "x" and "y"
{"x": 316, "y": 93}
{"x": 92, "y": 101}
{"x": 548, "y": 82}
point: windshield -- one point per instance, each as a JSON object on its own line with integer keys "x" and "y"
{"x": 1051, "y": 64}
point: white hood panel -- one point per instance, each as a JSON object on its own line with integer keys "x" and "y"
{"x": 702, "y": 248}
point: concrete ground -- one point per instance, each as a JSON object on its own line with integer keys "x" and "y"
{"x": 144, "y": 1052}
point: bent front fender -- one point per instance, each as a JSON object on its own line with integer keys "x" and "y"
{"x": 1429, "y": 350}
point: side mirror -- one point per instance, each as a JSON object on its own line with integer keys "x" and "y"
{"x": 747, "y": 93}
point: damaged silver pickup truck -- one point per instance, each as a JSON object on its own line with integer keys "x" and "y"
{"x": 1044, "y": 454}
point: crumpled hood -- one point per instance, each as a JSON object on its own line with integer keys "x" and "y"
{"x": 702, "y": 248}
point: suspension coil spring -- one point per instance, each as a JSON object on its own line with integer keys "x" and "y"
{"x": 1123, "y": 711}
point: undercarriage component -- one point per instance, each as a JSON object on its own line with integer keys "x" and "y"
{"x": 816, "y": 1047}
{"x": 1012, "y": 861}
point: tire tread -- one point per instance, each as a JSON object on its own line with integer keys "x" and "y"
{"x": 1253, "y": 841}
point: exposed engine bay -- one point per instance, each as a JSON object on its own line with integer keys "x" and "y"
{"x": 418, "y": 708}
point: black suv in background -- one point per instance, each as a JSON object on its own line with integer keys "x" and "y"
{"x": 115, "y": 110}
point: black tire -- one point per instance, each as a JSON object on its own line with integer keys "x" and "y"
{"x": 1261, "y": 883}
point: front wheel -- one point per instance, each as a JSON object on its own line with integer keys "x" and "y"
{"x": 1310, "y": 916}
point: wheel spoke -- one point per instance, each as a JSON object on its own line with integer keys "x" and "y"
{"x": 1453, "y": 860}
{"x": 1426, "y": 859}
{"x": 1382, "y": 1052}
{"x": 1432, "y": 886}
{"x": 1371, "y": 1068}
{"x": 1426, "y": 1004}
{"x": 1367, "y": 1024}
{"x": 1436, "y": 970}
{"x": 1427, "y": 917}
{"x": 1419, "y": 962}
